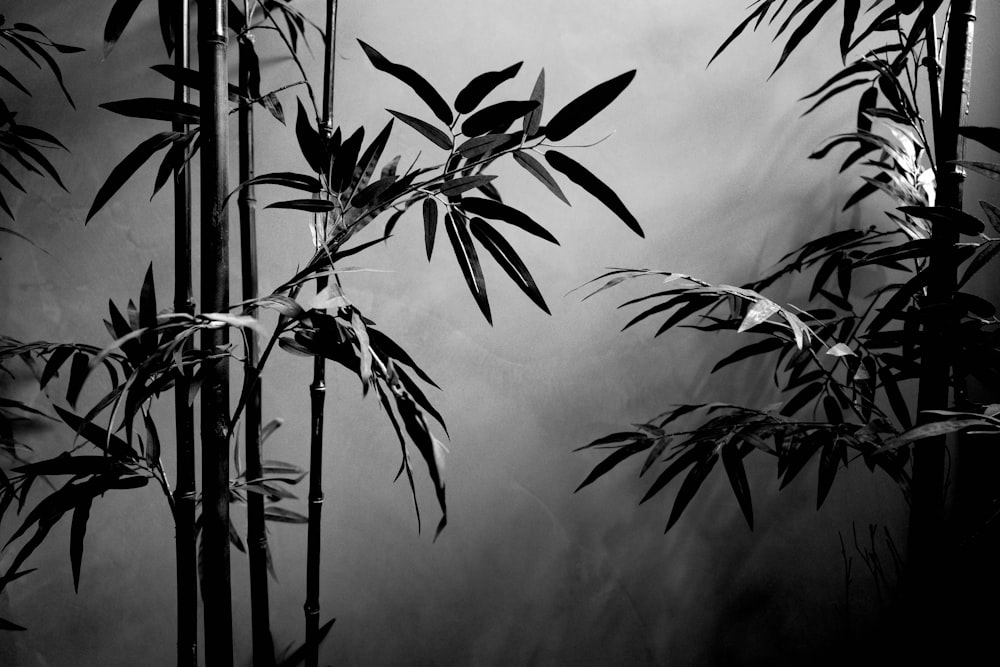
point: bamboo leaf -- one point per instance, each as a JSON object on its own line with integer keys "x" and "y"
{"x": 78, "y": 530}
{"x": 611, "y": 461}
{"x": 310, "y": 143}
{"x": 851, "y": 9}
{"x": 308, "y": 205}
{"x": 476, "y": 90}
{"x": 829, "y": 463}
{"x": 578, "y": 112}
{"x": 288, "y": 179}
{"x": 758, "y": 313}
{"x": 732, "y": 462}
{"x": 156, "y": 108}
{"x": 535, "y": 168}
{"x": 346, "y": 161}
{"x": 6, "y": 75}
{"x": 419, "y": 85}
{"x": 369, "y": 159}
{"x": 988, "y": 169}
{"x": 282, "y": 515}
{"x": 121, "y": 13}
{"x": 112, "y": 444}
{"x": 56, "y": 360}
{"x": 765, "y": 346}
{"x": 533, "y": 120}
{"x": 495, "y": 116}
{"x": 840, "y": 350}
{"x": 468, "y": 261}
{"x": 804, "y": 29}
{"x": 436, "y": 136}
{"x": 689, "y": 487}
{"x": 952, "y": 217}
{"x": 78, "y": 372}
{"x": 987, "y": 136}
{"x": 802, "y": 398}
{"x": 130, "y": 164}
{"x": 457, "y": 186}
{"x": 677, "y": 466}
{"x": 757, "y": 13}
{"x": 498, "y": 211}
{"x": 430, "y": 224}
{"x": 579, "y": 174}
{"x": 934, "y": 429}
{"x": 508, "y": 260}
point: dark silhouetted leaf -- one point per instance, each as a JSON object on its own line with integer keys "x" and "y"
{"x": 956, "y": 219}
{"x": 535, "y": 168}
{"x": 369, "y": 159}
{"x": 346, "y": 161}
{"x": 805, "y": 28}
{"x": 987, "y": 136}
{"x": 575, "y": 114}
{"x": 579, "y": 174}
{"x": 497, "y": 211}
{"x": 829, "y": 463}
{"x": 310, "y": 143}
{"x": 436, "y": 136}
{"x": 457, "y": 186}
{"x": 7, "y": 76}
{"x": 121, "y": 14}
{"x": 689, "y": 487}
{"x": 508, "y": 260}
{"x": 468, "y": 261}
{"x": 732, "y": 461}
{"x": 533, "y": 120}
{"x": 156, "y": 108}
{"x": 309, "y": 205}
{"x": 476, "y": 90}
{"x": 77, "y": 374}
{"x": 78, "y": 529}
{"x": 851, "y": 8}
{"x": 419, "y": 85}
{"x": 430, "y": 224}
{"x": 130, "y": 164}
{"x": 611, "y": 461}
{"x": 501, "y": 114}
{"x": 757, "y": 13}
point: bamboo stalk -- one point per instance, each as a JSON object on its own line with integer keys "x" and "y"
{"x": 263, "y": 648}
{"x": 927, "y": 515}
{"x": 216, "y": 586}
{"x": 185, "y": 492}
{"x": 317, "y": 391}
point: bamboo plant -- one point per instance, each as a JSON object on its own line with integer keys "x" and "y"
{"x": 844, "y": 363}
{"x": 151, "y": 354}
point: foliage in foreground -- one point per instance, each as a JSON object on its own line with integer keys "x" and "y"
{"x": 348, "y": 186}
{"x": 846, "y": 363}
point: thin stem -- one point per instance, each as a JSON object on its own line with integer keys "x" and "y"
{"x": 263, "y": 648}
{"x": 186, "y": 555}
{"x": 317, "y": 390}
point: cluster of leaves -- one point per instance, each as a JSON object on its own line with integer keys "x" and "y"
{"x": 180, "y": 146}
{"x": 844, "y": 363}
{"x": 23, "y": 142}
{"x": 474, "y": 137}
{"x": 147, "y": 357}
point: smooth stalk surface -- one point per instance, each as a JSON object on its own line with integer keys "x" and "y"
{"x": 185, "y": 493}
{"x": 216, "y": 586}
{"x": 263, "y": 649}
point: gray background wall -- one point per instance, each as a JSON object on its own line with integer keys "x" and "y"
{"x": 712, "y": 162}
